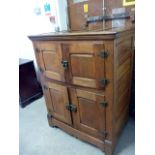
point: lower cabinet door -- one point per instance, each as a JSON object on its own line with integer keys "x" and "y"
{"x": 56, "y": 97}
{"x": 90, "y": 114}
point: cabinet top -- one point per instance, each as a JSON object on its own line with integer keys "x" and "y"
{"x": 111, "y": 33}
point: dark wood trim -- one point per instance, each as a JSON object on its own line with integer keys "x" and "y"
{"x": 69, "y": 38}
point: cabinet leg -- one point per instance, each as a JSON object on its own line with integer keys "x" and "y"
{"x": 108, "y": 148}
{"x": 108, "y": 151}
{"x": 49, "y": 118}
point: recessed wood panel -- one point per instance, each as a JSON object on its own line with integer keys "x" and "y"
{"x": 51, "y": 61}
{"x": 82, "y": 47}
{"x": 53, "y": 75}
{"x": 84, "y": 82}
{"x": 58, "y": 100}
{"x": 83, "y": 65}
{"x": 88, "y": 115}
{"x": 85, "y": 94}
{"x": 49, "y": 46}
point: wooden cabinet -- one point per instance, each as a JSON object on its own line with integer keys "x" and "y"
{"x": 86, "y": 82}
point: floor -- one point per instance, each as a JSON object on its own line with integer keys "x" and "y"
{"x": 37, "y": 138}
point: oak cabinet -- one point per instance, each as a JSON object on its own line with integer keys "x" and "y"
{"x": 86, "y": 82}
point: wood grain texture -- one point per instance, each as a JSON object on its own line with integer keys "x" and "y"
{"x": 49, "y": 56}
{"x": 124, "y": 52}
{"x": 90, "y": 115}
{"x": 59, "y": 99}
{"x": 107, "y": 34}
{"x": 78, "y": 17}
{"x": 97, "y": 113}
{"x": 78, "y": 134}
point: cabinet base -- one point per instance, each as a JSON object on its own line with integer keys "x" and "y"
{"x": 81, "y": 135}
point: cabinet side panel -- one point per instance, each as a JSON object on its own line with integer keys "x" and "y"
{"x": 122, "y": 73}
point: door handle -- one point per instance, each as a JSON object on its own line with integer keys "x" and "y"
{"x": 71, "y": 107}
{"x": 64, "y": 64}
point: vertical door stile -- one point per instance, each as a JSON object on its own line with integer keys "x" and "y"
{"x": 65, "y": 61}
{"x": 99, "y": 64}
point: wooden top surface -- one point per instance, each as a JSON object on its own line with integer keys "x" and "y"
{"x": 102, "y": 34}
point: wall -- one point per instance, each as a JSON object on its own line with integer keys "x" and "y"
{"x": 62, "y": 14}
{"x": 31, "y": 23}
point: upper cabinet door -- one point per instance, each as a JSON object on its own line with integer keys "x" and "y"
{"x": 87, "y": 64}
{"x": 50, "y": 57}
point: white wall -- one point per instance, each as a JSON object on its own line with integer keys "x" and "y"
{"x": 62, "y": 14}
{"x": 30, "y": 24}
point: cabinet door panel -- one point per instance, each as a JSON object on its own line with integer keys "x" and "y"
{"x": 51, "y": 56}
{"x": 57, "y": 95}
{"x": 87, "y": 66}
{"x": 90, "y": 115}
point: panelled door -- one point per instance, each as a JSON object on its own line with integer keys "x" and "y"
{"x": 87, "y": 63}
{"x": 90, "y": 114}
{"x": 50, "y": 57}
{"x": 57, "y": 99}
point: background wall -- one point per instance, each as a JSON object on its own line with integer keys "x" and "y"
{"x": 31, "y": 23}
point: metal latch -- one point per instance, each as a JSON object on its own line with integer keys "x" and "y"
{"x": 64, "y": 64}
{"x": 103, "y": 54}
{"x": 71, "y": 107}
{"x": 104, "y": 103}
{"x": 104, "y": 82}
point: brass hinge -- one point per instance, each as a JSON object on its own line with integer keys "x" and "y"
{"x": 104, "y": 103}
{"x": 103, "y": 54}
{"x": 71, "y": 107}
{"x": 104, "y": 82}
